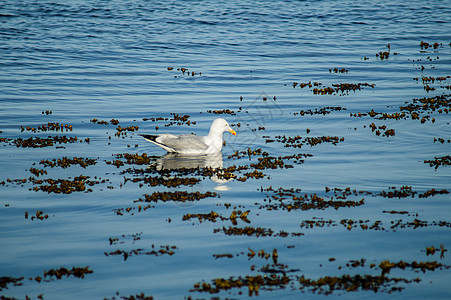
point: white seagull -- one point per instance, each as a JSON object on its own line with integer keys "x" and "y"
{"x": 191, "y": 143}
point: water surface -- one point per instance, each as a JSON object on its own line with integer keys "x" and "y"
{"x": 118, "y": 60}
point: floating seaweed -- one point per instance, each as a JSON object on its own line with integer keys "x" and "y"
{"x": 140, "y": 296}
{"x": 75, "y": 272}
{"x": 254, "y": 231}
{"x": 321, "y": 111}
{"x": 37, "y": 172}
{"x": 122, "y": 131}
{"x": 48, "y": 127}
{"x": 351, "y": 283}
{"x": 39, "y": 215}
{"x": 179, "y": 196}
{"x": 387, "y": 265}
{"x": 298, "y": 141}
{"x": 66, "y": 162}
{"x": 168, "y": 182}
{"x": 431, "y": 250}
{"x": 338, "y": 88}
{"x": 439, "y": 161}
{"x": 164, "y": 249}
{"x": 253, "y": 283}
{"x": 403, "y": 192}
{"x": 5, "y": 281}
{"x": 378, "y": 225}
{"x": 336, "y": 70}
{"x": 213, "y": 216}
{"x": 65, "y": 186}
{"x": 134, "y": 159}
{"x": 220, "y": 112}
{"x": 167, "y": 249}
{"x": 44, "y": 142}
{"x": 425, "y": 45}
{"x": 184, "y": 71}
{"x": 290, "y": 199}
{"x": 175, "y": 120}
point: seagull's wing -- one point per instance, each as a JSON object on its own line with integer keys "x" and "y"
{"x": 186, "y": 143}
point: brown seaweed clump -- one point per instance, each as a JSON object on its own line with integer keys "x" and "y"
{"x": 339, "y": 88}
{"x": 167, "y": 182}
{"x": 213, "y": 216}
{"x": 254, "y": 231}
{"x": 140, "y": 296}
{"x": 419, "y": 109}
{"x": 377, "y": 130}
{"x": 290, "y": 199}
{"x": 431, "y": 251}
{"x": 336, "y": 70}
{"x": 425, "y": 45}
{"x": 75, "y": 272}
{"x": 403, "y": 192}
{"x": 179, "y": 196}
{"x": 386, "y": 266}
{"x": 184, "y": 71}
{"x": 253, "y": 283}
{"x": 350, "y": 224}
{"x": 223, "y": 111}
{"x": 351, "y": 283}
{"x": 407, "y": 191}
{"x": 298, "y": 141}
{"x": 167, "y": 249}
{"x": 48, "y": 127}
{"x": 66, "y": 162}
{"x": 44, "y": 142}
{"x": 39, "y": 215}
{"x": 65, "y": 186}
{"x": 321, "y": 111}
{"x": 134, "y": 159}
{"x": 439, "y": 161}
{"x": 6, "y": 280}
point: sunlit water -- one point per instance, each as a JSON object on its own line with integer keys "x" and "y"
{"x": 123, "y": 60}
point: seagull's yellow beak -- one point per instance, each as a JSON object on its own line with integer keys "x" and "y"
{"x": 232, "y": 131}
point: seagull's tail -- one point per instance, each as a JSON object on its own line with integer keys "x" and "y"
{"x": 153, "y": 139}
{"x": 150, "y": 137}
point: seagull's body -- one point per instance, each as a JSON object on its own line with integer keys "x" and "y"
{"x": 191, "y": 143}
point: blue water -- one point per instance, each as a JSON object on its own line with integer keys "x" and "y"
{"x": 123, "y": 60}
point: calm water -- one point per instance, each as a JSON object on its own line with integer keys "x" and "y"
{"x": 123, "y": 60}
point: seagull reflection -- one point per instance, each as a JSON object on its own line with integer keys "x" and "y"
{"x": 174, "y": 161}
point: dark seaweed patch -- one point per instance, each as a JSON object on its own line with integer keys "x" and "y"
{"x": 291, "y": 199}
{"x": 140, "y": 296}
{"x": 253, "y": 283}
{"x": 44, "y": 142}
{"x": 336, "y": 89}
{"x": 319, "y": 111}
{"x": 66, "y": 186}
{"x": 66, "y": 162}
{"x": 351, "y": 283}
{"x": 439, "y": 161}
{"x": 298, "y": 141}
{"x": 75, "y": 272}
{"x": 5, "y": 281}
{"x": 213, "y": 216}
{"x": 255, "y": 231}
{"x": 167, "y": 249}
{"x": 48, "y": 127}
{"x": 418, "y": 109}
{"x": 178, "y": 196}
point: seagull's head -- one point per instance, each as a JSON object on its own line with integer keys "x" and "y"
{"x": 220, "y": 125}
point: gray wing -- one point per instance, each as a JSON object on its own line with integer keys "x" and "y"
{"x": 182, "y": 143}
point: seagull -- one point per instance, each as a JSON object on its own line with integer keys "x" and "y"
{"x": 191, "y": 143}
